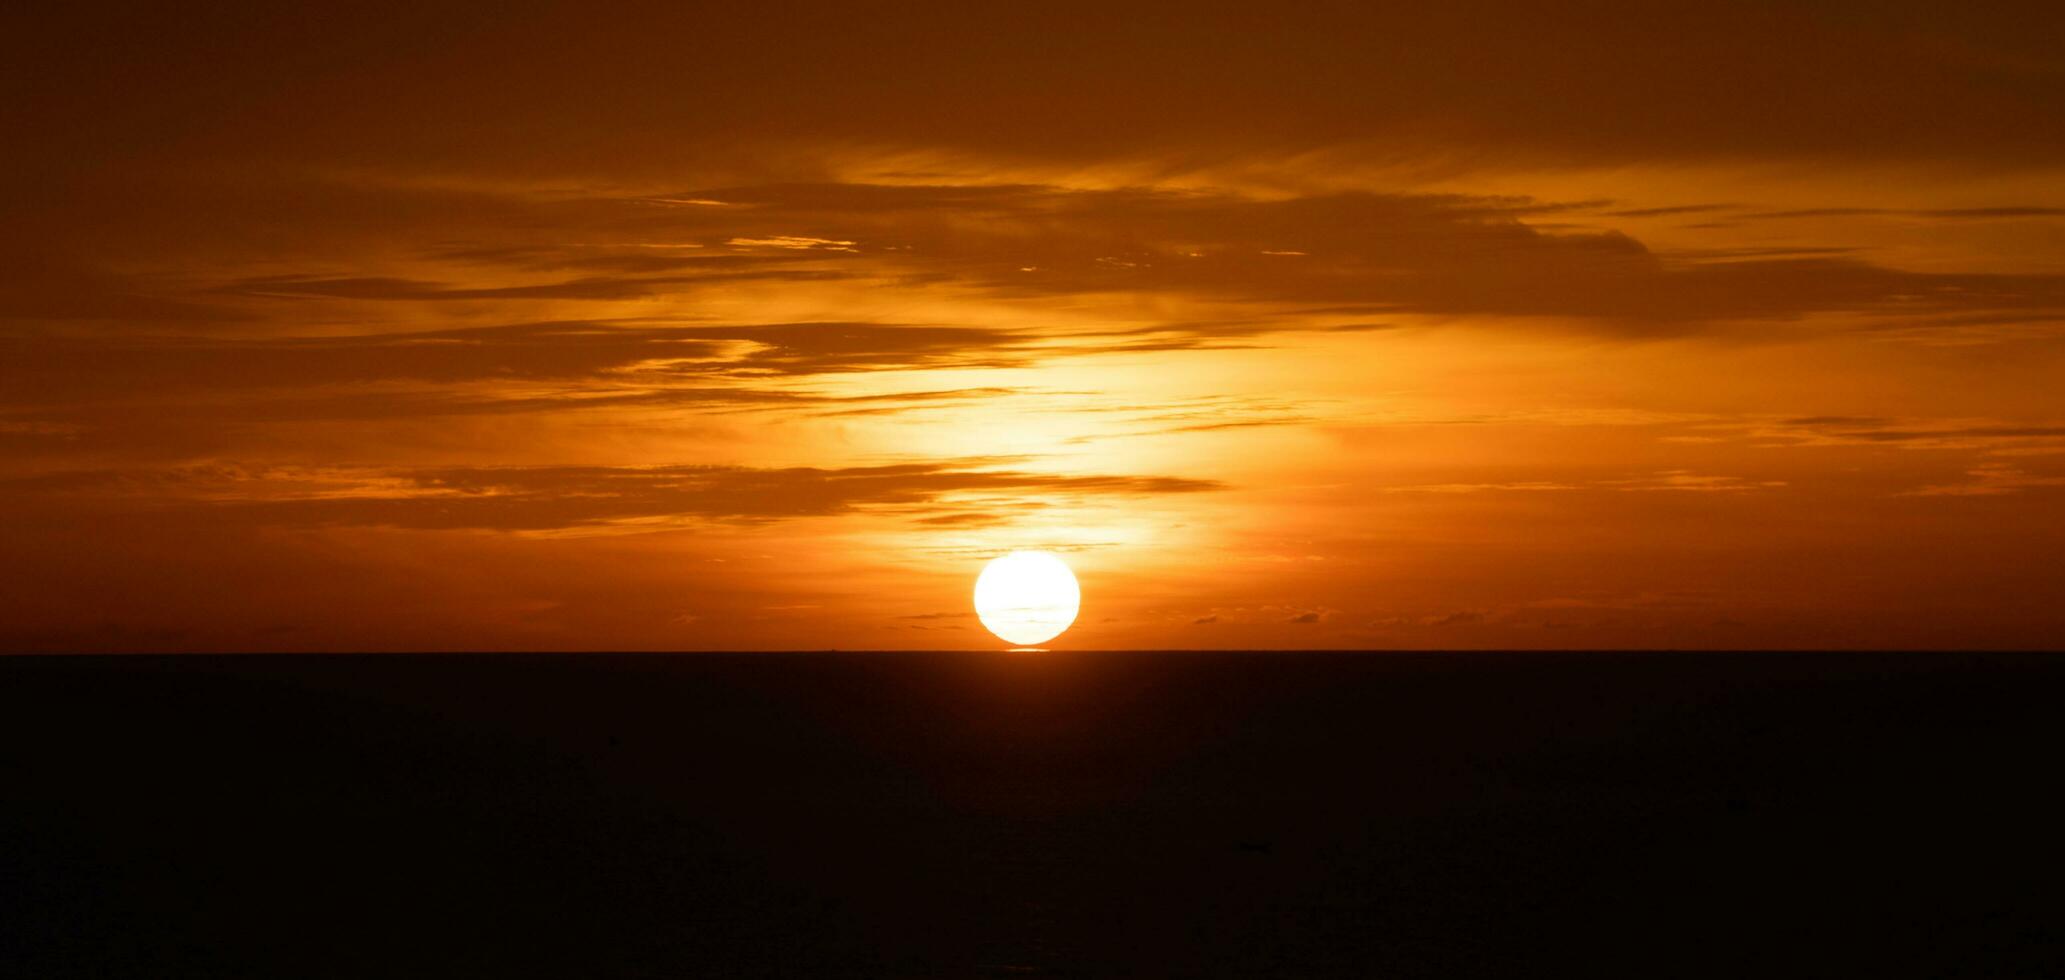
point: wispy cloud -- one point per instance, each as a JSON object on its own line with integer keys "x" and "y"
{"x": 2005, "y": 211}
{"x": 537, "y": 498}
{"x": 1991, "y": 480}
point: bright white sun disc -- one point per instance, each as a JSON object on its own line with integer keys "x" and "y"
{"x": 1027, "y": 597}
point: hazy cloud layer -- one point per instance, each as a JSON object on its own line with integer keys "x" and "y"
{"x": 1274, "y": 260}
{"x": 540, "y": 498}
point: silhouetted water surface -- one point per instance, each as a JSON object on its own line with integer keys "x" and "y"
{"x": 1073, "y": 814}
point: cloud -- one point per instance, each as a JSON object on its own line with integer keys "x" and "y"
{"x": 589, "y": 288}
{"x": 1528, "y": 486}
{"x": 1686, "y": 481}
{"x": 1377, "y": 253}
{"x": 975, "y": 518}
{"x": 1382, "y": 253}
{"x": 1674, "y": 481}
{"x": 1990, "y": 480}
{"x": 537, "y": 498}
{"x": 2011, "y": 211}
{"x": 1929, "y": 434}
{"x": 610, "y": 356}
{"x": 1271, "y": 264}
{"x": 1673, "y": 211}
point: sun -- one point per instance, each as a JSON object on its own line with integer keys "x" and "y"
{"x": 1027, "y": 597}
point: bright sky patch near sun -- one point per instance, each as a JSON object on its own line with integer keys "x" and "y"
{"x": 1480, "y": 325}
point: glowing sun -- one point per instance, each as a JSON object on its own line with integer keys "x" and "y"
{"x": 1027, "y": 597}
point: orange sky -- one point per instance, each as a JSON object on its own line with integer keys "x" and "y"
{"x": 1472, "y": 325}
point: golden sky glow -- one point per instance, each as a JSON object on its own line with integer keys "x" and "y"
{"x": 1505, "y": 325}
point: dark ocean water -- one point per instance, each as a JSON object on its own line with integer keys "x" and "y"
{"x": 1069, "y": 815}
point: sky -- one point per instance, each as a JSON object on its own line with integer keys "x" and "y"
{"x": 679, "y": 326}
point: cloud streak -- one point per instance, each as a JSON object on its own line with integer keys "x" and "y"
{"x": 547, "y": 498}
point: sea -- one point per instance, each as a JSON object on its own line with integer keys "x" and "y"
{"x": 1133, "y": 814}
